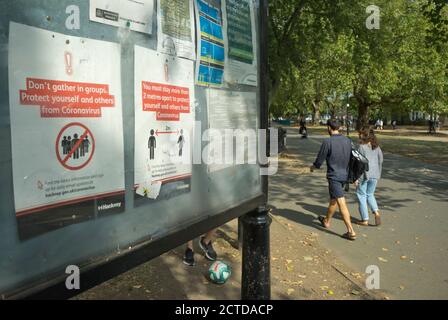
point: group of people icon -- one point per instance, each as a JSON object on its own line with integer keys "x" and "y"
{"x": 82, "y": 148}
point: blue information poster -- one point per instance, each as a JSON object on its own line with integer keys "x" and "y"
{"x": 211, "y": 58}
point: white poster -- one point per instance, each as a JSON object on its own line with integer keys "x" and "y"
{"x": 164, "y": 119}
{"x": 66, "y": 128}
{"x": 175, "y": 21}
{"x": 240, "y": 42}
{"x": 137, "y": 15}
{"x": 227, "y": 112}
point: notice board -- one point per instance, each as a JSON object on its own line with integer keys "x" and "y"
{"x": 98, "y": 118}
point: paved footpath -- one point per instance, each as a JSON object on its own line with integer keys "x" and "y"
{"x": 410, "y": 248}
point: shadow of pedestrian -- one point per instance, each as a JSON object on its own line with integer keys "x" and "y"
{"x": 302, "y": 218}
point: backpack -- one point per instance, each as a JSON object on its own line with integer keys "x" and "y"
{"x": 358, "y": 165}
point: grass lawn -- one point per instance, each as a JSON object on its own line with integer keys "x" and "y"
{"x": 427, "y": 151}
{"x": 421, "y": 146}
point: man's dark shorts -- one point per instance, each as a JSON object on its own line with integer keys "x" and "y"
{"x": 336, "y": 189}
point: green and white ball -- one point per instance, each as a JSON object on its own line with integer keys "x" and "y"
{"x": 219, "y": 272}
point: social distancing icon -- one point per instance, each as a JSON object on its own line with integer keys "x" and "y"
{"x": 75, "y": 146}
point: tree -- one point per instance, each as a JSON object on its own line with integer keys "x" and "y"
{"x": 322, "y": 50}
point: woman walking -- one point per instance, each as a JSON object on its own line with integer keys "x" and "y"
{"x": 366, "y": 185}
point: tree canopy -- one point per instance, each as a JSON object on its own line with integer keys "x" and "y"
{"x": 324, "y": 54}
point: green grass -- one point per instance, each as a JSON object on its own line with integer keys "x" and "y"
{"x": 408, "y": 145}
{"x": 435, "y": 152}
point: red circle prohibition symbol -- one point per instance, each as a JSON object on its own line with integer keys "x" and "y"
{"x": 64, "y": 160}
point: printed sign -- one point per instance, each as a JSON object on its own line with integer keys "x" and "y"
{"x": 211, "y": 55}
{"x": 66, "y": 128}
{"x": 136, "y": 15}
{"x": 175, "y": 20}
{"x": 241, "y": 62}
{"x": 164, "y": 122}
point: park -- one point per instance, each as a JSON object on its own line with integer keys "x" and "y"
{"x": 324, "y": 63}
{"x": 256, "y": 150}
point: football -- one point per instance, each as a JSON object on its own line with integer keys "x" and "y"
{"x": 219, "y": 272}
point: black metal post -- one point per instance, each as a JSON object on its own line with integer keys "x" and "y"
{"x": 347, "y": 120}
{"x": 256, "y": 270}
{"x": 256, "y": 277}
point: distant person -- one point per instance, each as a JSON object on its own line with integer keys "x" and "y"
{"x": 378, "y": 124}
{"x": 432, "y": 127}
{"x": 205, "y": 243}
{"x": 302, "y": 130}
{"x": 336, "y": 151}
{"x": 394, "y": 124}
{"x": 366, "y": 185}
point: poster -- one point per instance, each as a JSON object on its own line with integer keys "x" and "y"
{"x": 240, "y": 42}
{"x": 228, "y": 111}
{"x": 66, "y": 129}
{"x": 137, "y": 15}
{"x": 211, "y": 53}
{"x": 164, "y": 121}
{"x": 175, "y": 20}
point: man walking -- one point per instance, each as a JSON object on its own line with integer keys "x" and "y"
{"x": 336, "y": 151}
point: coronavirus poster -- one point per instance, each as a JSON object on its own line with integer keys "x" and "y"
{"x": 240, "y": 43}
{"x": 66, "y": 129}
{"x": 175, "y": 20}
{"x": 164, "y": 118}
{"x": 211, "y": 53}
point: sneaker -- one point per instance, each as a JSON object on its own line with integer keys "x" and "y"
{"x": 209, "y": 252}
{"x": 189, "y": 257}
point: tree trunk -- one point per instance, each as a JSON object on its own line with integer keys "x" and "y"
{"x": 316, "y": 112}
{"x": 363, "y": 116}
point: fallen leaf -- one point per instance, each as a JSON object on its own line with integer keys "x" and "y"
{"x": 308, "y": 258}
{"x": 324, "y": 288}
{"x": 355, "y": 292}
{"x": 137, "y": 287}
{"x": 385, "y": 249}
{"x": 403, "y": 257}
{"x": 302, "y": 276}
{"x": 290, "y": 291}
{"x": 401, "y": 288}
{"x": 382, "y": 259}
{"x": 330, "y": 292}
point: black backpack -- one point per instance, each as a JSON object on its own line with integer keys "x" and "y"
{"x": 358, "y": 166}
